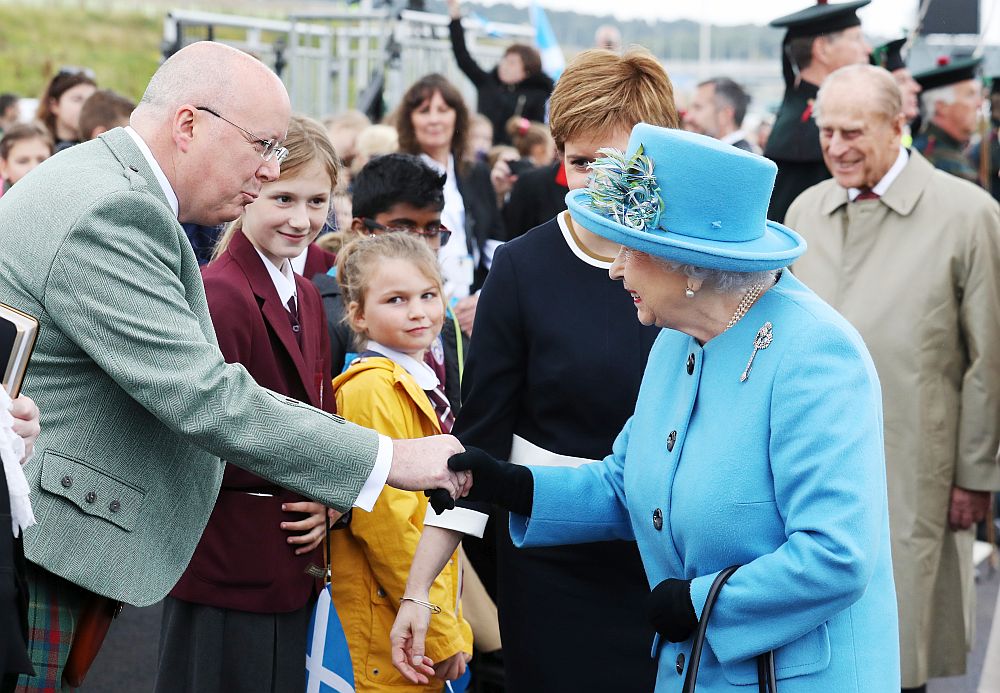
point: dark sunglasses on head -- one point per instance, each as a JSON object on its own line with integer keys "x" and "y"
{"x": 73, "y": 71}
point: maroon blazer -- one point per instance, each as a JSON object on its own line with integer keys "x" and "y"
{"x": 318, "y": 261}
{"x": 244, "y": 561}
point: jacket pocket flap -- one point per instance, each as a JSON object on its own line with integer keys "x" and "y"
{"x": 807, "y": 655}
{"x": 92, "y": 490}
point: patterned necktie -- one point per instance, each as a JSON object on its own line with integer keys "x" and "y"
{"x": 441, "y": 408}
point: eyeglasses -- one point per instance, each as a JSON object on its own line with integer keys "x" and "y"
{"x": 269, "y": 149}
{"x": 430, "y": 231}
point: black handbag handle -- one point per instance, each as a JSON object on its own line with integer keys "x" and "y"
{"x": 767, "y": 680}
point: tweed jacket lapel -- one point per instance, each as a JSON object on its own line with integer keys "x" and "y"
{"x": 275, "y": 312}
{"x": 137, "y": 169}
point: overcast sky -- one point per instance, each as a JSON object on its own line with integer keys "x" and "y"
{"x": 881, "y": 18}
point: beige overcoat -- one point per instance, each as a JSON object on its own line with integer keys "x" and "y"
{"x": 917, "y": 272}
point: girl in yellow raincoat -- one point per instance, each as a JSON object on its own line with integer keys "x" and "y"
{"x": 393, "y": 295}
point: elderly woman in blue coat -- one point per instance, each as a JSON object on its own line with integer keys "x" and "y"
{"x": 756, "y": 438}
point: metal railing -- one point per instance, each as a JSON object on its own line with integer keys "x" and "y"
{"x": 328, "y": 59}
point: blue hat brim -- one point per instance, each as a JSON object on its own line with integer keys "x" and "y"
{"x": 777, "y": 247}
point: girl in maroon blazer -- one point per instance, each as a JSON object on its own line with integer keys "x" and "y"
{"x": 237, "y": 619}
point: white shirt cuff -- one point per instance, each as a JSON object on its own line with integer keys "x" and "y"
{"x": 464, "y": 520}
{"x": 380, "y": 473}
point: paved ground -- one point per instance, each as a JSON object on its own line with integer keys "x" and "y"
{"x": 127, "y": 663}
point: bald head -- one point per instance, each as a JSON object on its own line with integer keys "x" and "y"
{"x": 207, "y": 73}
{"x": 209, "y": 116}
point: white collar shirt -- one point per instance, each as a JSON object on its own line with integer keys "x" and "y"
{"x": 883, "y": 185}
{"x": 158, "y": 173}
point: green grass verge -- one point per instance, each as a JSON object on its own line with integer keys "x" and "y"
{"x": 122, "y": 48}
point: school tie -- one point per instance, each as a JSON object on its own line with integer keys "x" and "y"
{"x": 293, "y": 318}
{"x": 441, "y": 408}
{"x": 867, "y": 194}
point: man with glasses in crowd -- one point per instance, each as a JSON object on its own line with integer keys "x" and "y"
{"x": 139, "y": 405}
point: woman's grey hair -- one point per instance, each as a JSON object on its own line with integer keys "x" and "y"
{"x": 721, "y": 281}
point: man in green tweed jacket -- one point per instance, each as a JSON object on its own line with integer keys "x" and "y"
{"x": 138, "y": 406}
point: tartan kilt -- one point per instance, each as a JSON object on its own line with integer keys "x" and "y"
{"x": 54, "y": 604}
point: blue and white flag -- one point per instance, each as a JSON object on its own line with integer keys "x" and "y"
{"x": 489, "y": 28}
{"x": 553, "y": 60}
{"x": 328, "y": 661}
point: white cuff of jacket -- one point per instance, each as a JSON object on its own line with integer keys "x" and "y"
{"x": 464, "y": 520}
{"x": 380, "y": 473}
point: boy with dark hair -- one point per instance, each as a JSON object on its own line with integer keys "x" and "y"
{"x": 399, "y": 192}
{"x": 396, "y": 192}
{"x": 102, "y": 111}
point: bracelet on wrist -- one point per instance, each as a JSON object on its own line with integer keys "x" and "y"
{"x": 434, "y": 608}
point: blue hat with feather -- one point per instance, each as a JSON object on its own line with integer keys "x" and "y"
{"x": 686, "y": 198}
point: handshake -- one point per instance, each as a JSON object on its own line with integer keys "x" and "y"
{"x": 455, "y": 472}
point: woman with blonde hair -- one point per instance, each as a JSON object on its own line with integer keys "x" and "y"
{"x": 552, "y": 373}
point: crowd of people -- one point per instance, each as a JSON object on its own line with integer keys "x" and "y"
{"x": 520, "y": 383}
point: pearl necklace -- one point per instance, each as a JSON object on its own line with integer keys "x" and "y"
{"x": 748, "y": 300}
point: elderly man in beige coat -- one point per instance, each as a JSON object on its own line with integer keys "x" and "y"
{"x": 911, "y": 256}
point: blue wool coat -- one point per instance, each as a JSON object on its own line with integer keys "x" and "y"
{"x": 783, "y": 473}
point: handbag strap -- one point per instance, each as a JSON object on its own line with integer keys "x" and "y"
{"x": 767, "y": 679}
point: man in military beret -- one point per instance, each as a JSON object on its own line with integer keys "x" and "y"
{"x": 819, "y": 40}
{"x": 951, "y": 101}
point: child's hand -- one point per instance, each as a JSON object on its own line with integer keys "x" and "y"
{"x": 333, "y": 515}
{"x": 310, "y": 531}
{"x": 453, "y": 667}
{"x": 407, "y": 636}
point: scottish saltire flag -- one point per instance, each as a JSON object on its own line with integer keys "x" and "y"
{"x": 553, "y": 60}
{"x": 328, "y": 661}
{"x": 489, "y": 28}
{"x": 461, "y": 684}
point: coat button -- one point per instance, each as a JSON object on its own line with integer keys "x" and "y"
{"x": 381, "y": 592}
{"x": 114, "y": 506}
{"x": 90, "y": 497}
{"x": 690, "y": 364}
{"x": 67, "y": 481}
{"x": 680, "y": 664}
{"x": 671, "y": 441}
{"x": 657, "y": 519}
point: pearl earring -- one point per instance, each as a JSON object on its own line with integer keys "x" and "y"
{"x": 689, "y": 292}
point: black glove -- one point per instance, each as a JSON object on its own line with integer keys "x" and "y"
{"x": 670, "y": 610}
{"x": 440, "y": 500}
{"x": 510, "y": 486}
